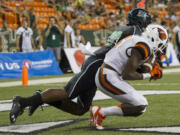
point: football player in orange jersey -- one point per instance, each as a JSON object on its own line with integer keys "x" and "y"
{"x": 121, "y": 64}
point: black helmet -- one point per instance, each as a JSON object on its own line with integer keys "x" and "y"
{"x": 140, "y": 17}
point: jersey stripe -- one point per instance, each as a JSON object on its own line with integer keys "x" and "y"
{"x": 143, "y": 48}
{"x": 107, "y": 85}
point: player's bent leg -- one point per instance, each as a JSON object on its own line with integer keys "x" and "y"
{"x": 72, "y": 107}
{"x": 33, "y": 108}
{"x": 131, "y": 110}
{"x": 65, "y": 104}
{"x": 110, "y": 83}
{"x": 82, "y": 106}
{"x": 50, "y": 96}
{"x": 19, "y": 103}
{"x": 59, "y": 99}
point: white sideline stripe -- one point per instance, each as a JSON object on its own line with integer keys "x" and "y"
{"x": 62, "y": 79}
{"x": 5, "y": 105}
{"x": 5, "y": 101}
{"x": 154, "y": 84}
{"x": 174, "y": 130}
{"x": 31, "y": 127}
{"x": 172, "y": 70}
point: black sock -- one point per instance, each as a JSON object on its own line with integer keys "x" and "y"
{"x": 35, "y": 100}
{"x": 56, "y": 104}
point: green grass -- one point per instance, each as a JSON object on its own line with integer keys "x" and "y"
{"x": 163, "y": 110}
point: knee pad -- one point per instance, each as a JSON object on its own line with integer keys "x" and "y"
{"x": 131, "y": 110}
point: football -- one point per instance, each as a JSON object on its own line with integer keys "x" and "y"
{"x": 144, "y": 68}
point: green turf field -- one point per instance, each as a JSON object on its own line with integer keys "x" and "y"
{"x": 163, "y": 110}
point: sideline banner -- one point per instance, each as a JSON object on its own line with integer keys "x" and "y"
{"x": 76, "y": 57}
{"x": 38, "y": 63}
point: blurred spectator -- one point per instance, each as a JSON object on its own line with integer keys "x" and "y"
{"x": 54, "y": 34}
{"x": 39, "y": 41}
{"x": 70, "y": 7}
{"x": 109, "y": 14}
{"x": 32, "y": 19}
{"x": 159, "y": 5}
{"x": 2, "y": 15}
{"x": 79, "y": 11}
{"x": 100, "y": 9}
{"x": 79, "y": 38}
{"x": 18, "y": 15}
{"x": 25, "y": 14}
{"x": 18, "y": 10}
{"x": 89, "y": 2}
{"x": 173, "y": 17}
{"x": 78, "y": 2}
{"x": 61, "y": 6}
{"x": 86, "y": 18}
{"x": 107, "y": 23}
{"x": 69, "y": 35}
{"x": 5, "y": 32}
{"x": 176, "y": 37}
{"x": 24, "y": 40}
{"x": 61, "y": 20}
{"x": 52, "y": 3}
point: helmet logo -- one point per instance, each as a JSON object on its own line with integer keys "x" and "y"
{"x": 142, "y": 14}
{"x": 162, "y": 34}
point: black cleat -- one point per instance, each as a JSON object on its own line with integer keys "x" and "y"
{"x": 16, "y": 109}
{"x": 32, "y": 109}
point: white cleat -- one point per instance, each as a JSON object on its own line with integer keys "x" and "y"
{"x": 96, "y": 117}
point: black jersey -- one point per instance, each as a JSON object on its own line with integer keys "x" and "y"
{"x": 115, "y": 37}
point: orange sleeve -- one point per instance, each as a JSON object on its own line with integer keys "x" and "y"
{"x": 143, "y": 48}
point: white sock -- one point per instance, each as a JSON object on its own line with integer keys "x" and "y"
{"x": 114, "y": 110}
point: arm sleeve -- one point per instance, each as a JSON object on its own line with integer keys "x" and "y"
{"x": 31, "y": 32}
{"x": 144, "y": 49}
{"x": 19, "y": 31}
{"x": 68, "y": 29}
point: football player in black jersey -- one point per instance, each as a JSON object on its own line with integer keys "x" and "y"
{"x": 82, "y": 85}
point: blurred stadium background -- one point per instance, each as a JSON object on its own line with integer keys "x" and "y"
{"x": 95, "y": 20}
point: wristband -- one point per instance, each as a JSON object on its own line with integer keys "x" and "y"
{"x": 146, "y": 76}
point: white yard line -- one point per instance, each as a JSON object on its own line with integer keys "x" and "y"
{"x": 5, "y": 105}
{"x": 172, "y": 70}
{"x": 167, "y": 130}
{"x": 155, "y": 84}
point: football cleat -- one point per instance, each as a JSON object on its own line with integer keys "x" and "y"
{"x": 96, "y": 117}
{"x": 32, "y": 109}
{"x": 16, "y": 109}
